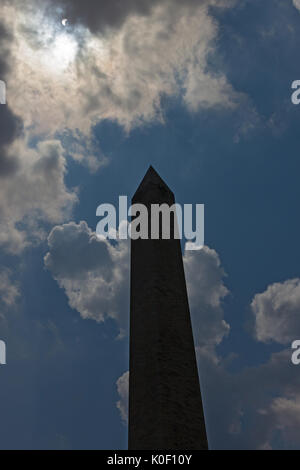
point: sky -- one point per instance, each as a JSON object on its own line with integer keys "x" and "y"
{"x": 201, "y": 90}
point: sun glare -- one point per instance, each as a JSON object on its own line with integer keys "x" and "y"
{"x": 62, "y": 52}
{"x": 49, "y": 45}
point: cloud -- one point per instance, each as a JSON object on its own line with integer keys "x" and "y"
{"x": 252, "y": 409}
{"x": 100, "y": 15}
{"x": 9, "y": 290}
{"x": 61, "y": 82}
{"x": 276, "y": 312}
{"x": 11, "y": 128}
{"x": 5, "y": 38}
{"x": 9, "y": 295}
{"x": 35, "y": 193}
{"x": 206, "y": 291}
{"x": 93, "y": 273}
{"x": 285, "y": 414}
{"x": 270, "y": 401}
{"x": 239, "y": 407}
{"x": 123, "y": 391}
{"x": 120, "y": 75}
{"x": 10, "y": 124}
{"x": 296, "y": 4}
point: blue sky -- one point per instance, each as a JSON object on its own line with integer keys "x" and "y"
{"x": 229, "y": 141}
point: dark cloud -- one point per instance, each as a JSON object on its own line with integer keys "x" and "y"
{"x": 10, "y": 128}
{"x": 5, "y": 38}
{"x": 10, "y": 124}
{"x": 99, "y": 14}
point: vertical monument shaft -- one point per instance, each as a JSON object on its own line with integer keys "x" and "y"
{"x": 165, "y": 405}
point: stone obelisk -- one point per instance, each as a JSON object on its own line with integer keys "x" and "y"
{"x": 165, "y": 404}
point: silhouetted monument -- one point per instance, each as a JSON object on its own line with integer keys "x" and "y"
{"x": 165, "y": 405}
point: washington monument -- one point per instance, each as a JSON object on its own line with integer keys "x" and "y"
{"x": 165, "y": 404}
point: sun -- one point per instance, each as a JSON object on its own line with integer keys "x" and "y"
{"x": 56, "y": 52}
{"x": 62, "y": 52}
{"x": 51, "y": 47}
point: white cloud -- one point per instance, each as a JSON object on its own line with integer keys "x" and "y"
{"x": 123, "y": 391}
{"x": 296, "y": 4}
{"x": 206, "y": 290}
{"x": 276, "y": 312}
{"x": 35, "y": 192}
{"x": 93, "y": 273}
